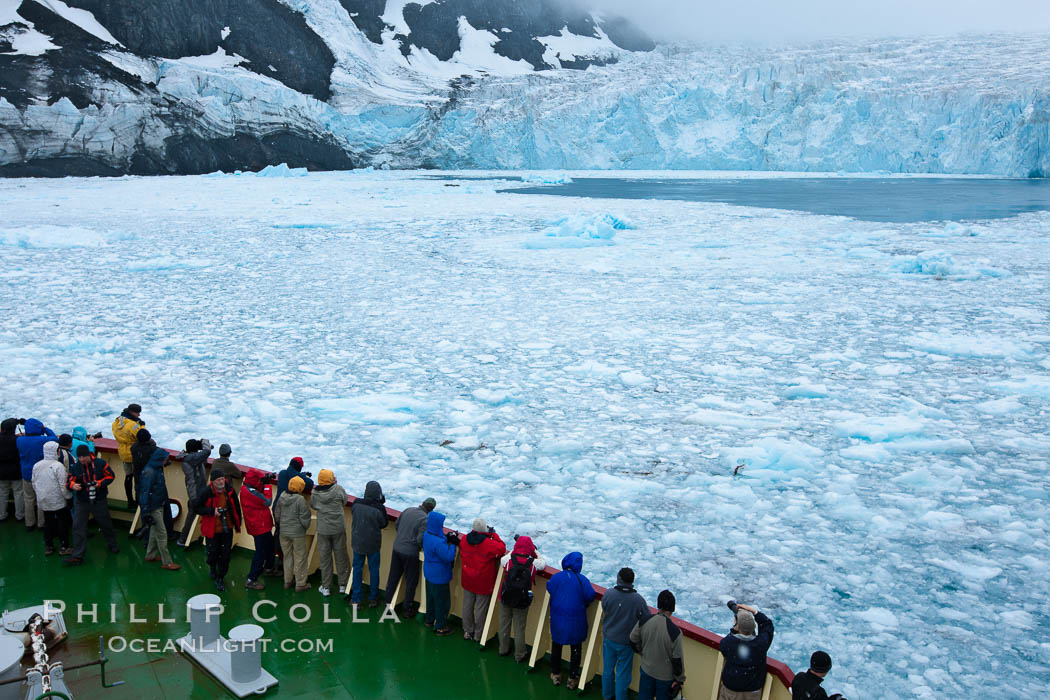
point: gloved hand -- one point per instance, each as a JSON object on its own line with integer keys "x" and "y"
{"x": 675, "y": 689}
{"x": 452, "y": 538}
{"x": 206, "y": 444}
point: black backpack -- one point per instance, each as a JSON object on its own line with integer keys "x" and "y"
{"x": 517, "y": 591}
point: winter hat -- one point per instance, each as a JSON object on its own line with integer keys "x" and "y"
{"x": 217, "y": 474}
{"x": 83, "y": 451}
{"x": 429, "y": 504}
{"x": 625, "y": 577}
{"x": 820, "y": 662}
{"x": 325, "y": 477}
{"x": 745, "y": 622}
{"x": 134, "y": 408}
{"x": 296, "y": 463}
{"x": 65, "y": 440}
{"x": 143, "y": 436}
{"x": 225, "y": 450}
{"x": 480, "y": 525}
{"x": 665, "y": 601}
{"x": 296, "y": 484}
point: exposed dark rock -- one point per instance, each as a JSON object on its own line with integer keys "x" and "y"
{"x": 366, "y": 15}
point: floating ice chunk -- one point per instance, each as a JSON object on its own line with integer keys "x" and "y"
{"x": 50, "y": 236}
{"x": 880, "y": 429}
{"x": 714, "y": 417}
{"x": 876, "y": 453}
{"x": 496, "y": 397}
{"x": 399, "y": 437}
{"x": 1013, "y": 619}
{"x": 941, "y": 265}
{"x": 1028, "y": 385}
{"x": 592, "y": 368}
{"x": 970, "y": 571}
{"x": 882, "y": 619}
{"x": 634, "y": 379}
{"x": 281, "y": 170}
{"x": 546, "y": 179}
{"x": 375, "y": 409}
{"x": 1000, "y": 407}
{"x": 560, "y": 446}
{"x": 970, "y": 345}
{"x": 579, "y": 231}
{"x": 805, "y": 391}
{"x": 952, "y": 446}
{"x": 626, "y": 489}
{"x": 774, "y": 454}
{"x": 162, "y": 263}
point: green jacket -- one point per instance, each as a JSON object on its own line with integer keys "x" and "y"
{"x": 228, "y": 468}
{"x": 292, "y": 514}
{"x": 330, "y": 504}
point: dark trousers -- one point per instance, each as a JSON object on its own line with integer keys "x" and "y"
{"x": 575, "y": 659}
{"x": 84, "y": 510}
{"x": 408, "y": 565}
{"x": 651, "y": 689}
{"x": 56, "y": 525}
{"x": 263, "y": 558}
{"x": 439, "y": 600}
{"x": 219, "y": 554}
{"x": 184, "y": 536}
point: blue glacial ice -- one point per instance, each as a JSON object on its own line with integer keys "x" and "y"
{"x": 730, "y": 400}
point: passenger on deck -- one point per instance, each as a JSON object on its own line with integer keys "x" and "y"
{"x": 519, "y": 575}
{"x": 292, "y": 516}
{"x": 153, "y": 501}
{"x": 194, "y": 469}
{"x": 10, "y": 470}
{"x": 220, "y": 512}
{"x": 480, "y": 551}
{"x": 65, "y": 454}
{"x": 806, "y": 685}
{"x": 258, "y": 521}
{"x": 408, "y": 542}
{"x": 231, "y": 470}
{"x": 329, "y": 501}
{"x": 51, "y": 483}
{"x": 622, "y": 608}
{"x": 89, "y": 480}
{"x": 125, "y": 429}
{"x": 81, "y": 437}
{"x": 141, "y": 451}
{"x": 366, "y": 539}
{"x": 659, "y": 641}
{"x": 439, "y": 553}
{"x": 744, "y": 649}
{"x": 570, "y": 593}
{"x": 294, "y": 468}
{"x": 31, "y": 451}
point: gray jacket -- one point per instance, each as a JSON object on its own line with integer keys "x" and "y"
{"x": 193, "y": 468}
{"x": 660, "y": 643}
{"x": 410, "y": 526}
{"x": 329, "y": 502}
{"x": 622, "y": 607}
{"x": 292, "y": 514}
{"x": 369, "y": 520}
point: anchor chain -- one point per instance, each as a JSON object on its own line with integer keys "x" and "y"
{"x": 40, "y": 658}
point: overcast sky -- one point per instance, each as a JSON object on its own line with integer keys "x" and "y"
{"x": 772, "y": 20}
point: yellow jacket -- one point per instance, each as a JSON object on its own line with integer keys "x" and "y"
{"x": 124, "y": 430}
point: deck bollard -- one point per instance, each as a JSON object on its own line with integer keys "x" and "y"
{"x": 245, "y": 653}
{"x": 204, "y": 620}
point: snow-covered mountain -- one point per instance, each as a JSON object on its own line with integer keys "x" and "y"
{"x": 165, "y": 86}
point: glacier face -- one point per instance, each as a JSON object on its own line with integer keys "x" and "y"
{"x": 87, "y": 99}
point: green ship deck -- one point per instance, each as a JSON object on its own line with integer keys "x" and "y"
{"x": 371, "y": 660}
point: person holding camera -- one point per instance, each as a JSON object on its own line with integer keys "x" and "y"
{"x": 366, "y": 539}
{"x": 258, "y": 521}
{"x": 153, "y": 500}
{"x": 294, "y": 468}
{"x": 570, "y": 595}
{"x": 515, "y": 597}
{"x": 292, "y": 516}
{"x": 480, "y": 551}
{"x": 10, "y": 470}
{"x": 125, "y": 428}
{"x": 194, "y": 461}
{"x": 744, "y": 650}
{"x": 89, "y": 479}
{"x": 329, "y": 502}
{"x": 622, "y": 608}
{"x": 404, "y": 560}
{"x": 220, "y": 512}
{"x": 659, "y": 641}
{"x": 31, "y": 451}
{"x": 439, "y": 554}
{"x": 81, "y": 437}
{"x": 807, "y": 685}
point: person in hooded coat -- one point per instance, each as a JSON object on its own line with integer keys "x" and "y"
{"x": 10, "y": 470}
{"x": 141, "y": 451}
{"x": 439, "y": 553}
{"x": 480, "y": 551}
{"x": 366, "y": 539}
{"x": 80, "y": 437}
{"x": 220, "y": 513}
{"x": 125, "y": 427}
{"x": 329, "y": 501}
{"x": 50, "y": 481}
{"x": 524, "y": 554}
{"x": 153, "y": 500}
{"x": 194, "y": 461}
{"x": 744, "y": 650}
{"x": 570, "y": 594}
{"x": 404, "y": 560}
{"x": 258, "y": 521}
{"x": 292, "y": 516}
{"x": 31, "y": 451}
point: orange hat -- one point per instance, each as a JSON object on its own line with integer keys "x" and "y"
{"x": 325, "y": 477}
{"x": 296, "y": 485}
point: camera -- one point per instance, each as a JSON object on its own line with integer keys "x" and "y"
{"x": 452, "y": 538}
{"x": 732, "y": 606}
{"x": 220, "y": 511}
{"x": 308, "y": 474}
{"x": 269, "y": 478}
{"x": 21, "y": 421}
{"x": 91, "y": 492}
{"x": 95, "y": 436}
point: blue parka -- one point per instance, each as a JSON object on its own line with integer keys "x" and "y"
{"x": 153, "y": 489}
{"x": 438, "y": 554}
{"x": 31, "y": 446}
{"x": 570, "y": 593}
{"x": 80, "y": 438}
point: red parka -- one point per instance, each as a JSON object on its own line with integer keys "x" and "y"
{"x": 255, "y": 502}
{"x": 208, "y": 500}
{"x": 481, "y": 552}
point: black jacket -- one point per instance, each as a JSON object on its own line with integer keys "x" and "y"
{"x": 745, "y": 668}
{"x": 10, "y": 464}
{"x": 369, "y": 517}
{"x": 806, "y": 686}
